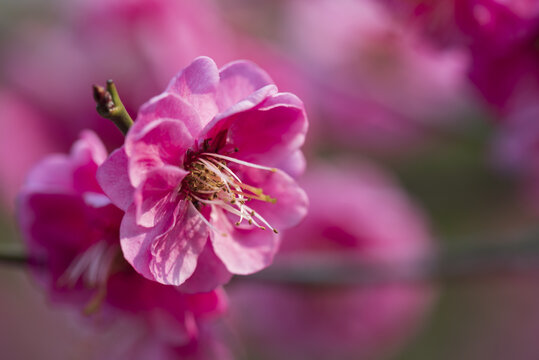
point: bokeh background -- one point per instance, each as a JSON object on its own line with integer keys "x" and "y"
{"x": 423, "y": 144}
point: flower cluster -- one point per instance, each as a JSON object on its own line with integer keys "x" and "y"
{"x": 196, "y": 194}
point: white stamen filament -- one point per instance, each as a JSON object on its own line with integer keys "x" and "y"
{"x": 241, "y": 162}
{"x": 206, "y": 220}
{"x": 92, "y": 266}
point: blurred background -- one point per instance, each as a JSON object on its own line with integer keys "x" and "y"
{"x": 423, "y": 145}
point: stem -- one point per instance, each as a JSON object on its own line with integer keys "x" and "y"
{"x": 110, "y": 106}
{"x": 472, "y": 263}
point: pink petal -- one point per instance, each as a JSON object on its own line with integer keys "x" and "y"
{"x": 294, "y": 165}
{"x": 113, "y": 177}
{"x": 223, "y": 120}
{"x": 157, "y": 195}
{"x": 90, "y": 142}
{"x": 197, "y": 85}
{"x": 135, "y": 241}
{"x": 86, "y": 155}
{"x": 53, "y": 220}
{"x": 243, "y": 251}
{"x": 268, "y": 135}
{"x": 53, "y": 174}
{"x": 168, "y": 252}
{"x": 208, "y": 303}
{"x": 238, "y": 80}
{"x": 158, "y": 143}
{"x": 175, "y": 253}
{"x": 210, "y": 273}
{"x": 292, "y": 202}
{"x": 169, "y": 106}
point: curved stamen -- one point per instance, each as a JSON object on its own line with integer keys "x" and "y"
{"x": 211, "y": 182}
{"x": 241, "y": 162}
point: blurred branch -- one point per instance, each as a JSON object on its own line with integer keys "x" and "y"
{"x": 109, "y": 106}
{"x": 464, "y": 264}
{"x": 13, "y": 254}
{"x": 471, "y": 263}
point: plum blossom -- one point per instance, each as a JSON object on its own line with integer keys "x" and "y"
{"x": 72, "y": 228}
{"x": 501, "y": 37}
{"x": 203, "y": 162}
{"x": 380, "y": 84}
{"x": 357, "y": 216}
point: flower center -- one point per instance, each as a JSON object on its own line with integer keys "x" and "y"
{"x": 211, "y": 182}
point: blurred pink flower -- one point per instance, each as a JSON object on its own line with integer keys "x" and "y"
{"x": 24, "y": 134}
{"x": 194, "y": 157}
{"x": 504, "y": 37}
{"x": 501, "y": 37}
{"x": 141, "y": 44}
{"x": 378, "y": 82}
{"x": 71, "y": 226}
{"x": 54, "y": 66}
{"x": 357, "y": 217}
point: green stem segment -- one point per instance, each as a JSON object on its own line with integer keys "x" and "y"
{"x": 110, "y": 106}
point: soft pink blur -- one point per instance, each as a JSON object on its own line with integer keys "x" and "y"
{"x": 24, "y": 139}
{"x": 71, "y": 230}
{"x": 501, "y": 37}
{"x": 358, "y": 215}
{"x": 378, "y": 82}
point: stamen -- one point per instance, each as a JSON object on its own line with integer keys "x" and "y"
{"x": 212, "y": 183}
{"x": 206, "y": 221}
{"x": 259, "y": 217}
{"x": 240, "y": 162}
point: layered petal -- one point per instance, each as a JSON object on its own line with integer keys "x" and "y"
{"x": 238, "y": 80}
{"x": 175, "y": 253}
{"x": 223, "y": 120}
{"x": 113, "y": 177}
{"x": 265, "y": 133}
{"x": 172, "y": 106}
{"x": 158, "y": 194}
{"x": 291, "y": 203}
{"x": 243, "y": 251}
{"x": 294, "y": 165}
{"x": 168, "y": 252}
{"x": 210, "y": 273}
{"x": 197, "y": 84}
{"x": 161, "y": 142}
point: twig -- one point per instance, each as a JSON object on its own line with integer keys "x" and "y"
{"x": 110, "y": 106}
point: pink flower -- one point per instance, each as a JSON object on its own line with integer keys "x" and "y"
{"x": 72, "y": 227}
{"x": 357, "y": 216}
{"x": 501, "y": 37}
{"x": 202, "y": 162}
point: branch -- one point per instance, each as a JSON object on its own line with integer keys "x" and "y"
{"x": 12, "y": 254}
{"x": 472, "y": 263}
